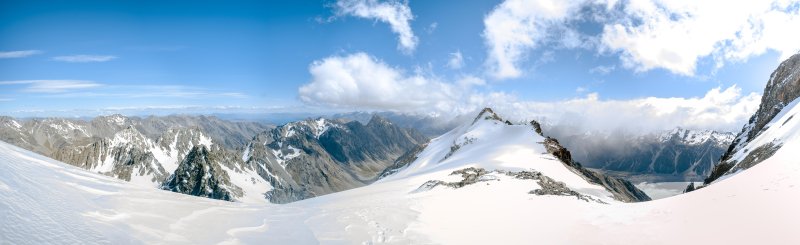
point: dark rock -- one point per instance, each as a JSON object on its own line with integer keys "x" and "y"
{"x": 621, "y": 189}
{"x": 689, "y": 188}
{"x": 198, "y": 175}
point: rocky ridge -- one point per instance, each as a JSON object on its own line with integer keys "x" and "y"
{"x": 783, "y": 87}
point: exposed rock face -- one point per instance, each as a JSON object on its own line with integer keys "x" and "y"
{"x": 622, "y": 189}
{"x": 689, "y": 188}
{"x": 782, "y": 88}
{"x": 472, "y": 175}
{"x": 316, "y": 157}
{"x": 536, "y": 126}
{"x": 403, "y": 161}
{"x": 198, "y": 175}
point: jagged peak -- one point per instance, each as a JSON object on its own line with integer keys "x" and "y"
{"x": 487, "y": 114}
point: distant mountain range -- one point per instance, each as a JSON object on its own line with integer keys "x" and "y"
{"x": 210, "y": 157}
{"x": 673, "y": 155}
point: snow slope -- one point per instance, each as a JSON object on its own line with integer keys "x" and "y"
{"x": 45, "y": 201}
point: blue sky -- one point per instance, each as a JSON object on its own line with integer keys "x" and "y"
{"x": 95, "y": 57}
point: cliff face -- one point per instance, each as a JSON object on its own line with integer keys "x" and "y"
{"x": 320, "y": 156}
{"x": 782, "y": 88}
{"x": 199, "y": 174}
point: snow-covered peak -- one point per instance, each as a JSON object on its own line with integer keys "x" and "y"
{"x": 116, "y": 119}
{"x": 132, "y": 136}
{"x": 315, "y": 127}
{"x": 492, "y": 144}
{"x": 9, "y": 122}
{"x": 696, "y": 137}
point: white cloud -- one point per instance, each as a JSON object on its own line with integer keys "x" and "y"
{"x": 393, "y": 12}
{"x": 674, "y": 35}
{"x": 52, "y": 86}
{"x": 82, "y": 58}
{"x": 432, "y": 27}
{"x": 359, "y": 81}
{"x": 646, "y": 34}
{"x": 602, "y": 70}
{"x": 515, "y": 27}
{"x": 456, "y": 61}
{"x": 18, "y": 54}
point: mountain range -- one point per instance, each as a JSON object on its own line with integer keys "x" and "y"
{"x": 210, "y": 157}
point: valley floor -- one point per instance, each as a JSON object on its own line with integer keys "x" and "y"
{"x": 45, "y": 201}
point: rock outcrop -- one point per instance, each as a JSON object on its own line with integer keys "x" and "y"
{"x": 199, "y": 174}
{"x": 622, "y": 190}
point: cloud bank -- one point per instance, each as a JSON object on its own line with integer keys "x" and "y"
{"x": 362, "y": 82}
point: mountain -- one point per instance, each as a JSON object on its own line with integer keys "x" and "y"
{"x": 673, "y": 155}
{"x": 767, "y": 129}
{"x": 320, "y": 156}
{"x": 490, "y": 148}
{"x": 509, "y": 201}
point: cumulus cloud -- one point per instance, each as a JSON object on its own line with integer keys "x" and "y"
{"x": 18, "y": 54}
{"x": 515, "y": 27}
{"x": 393, "y": 12}
{"x": 82, "y": 58}
{"x": 360, "y": 81}
{"x": 51, "y": 86}
{"x": 647, "y": 34}
{"x": 456, "y": 61}
{"x": 674, "y": 35}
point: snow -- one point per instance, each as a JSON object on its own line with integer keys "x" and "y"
{"x": 45, "y": 201}
{"x": 246, "y": 154}
{"x": 320, "y": 127}
{"x": 203, "y": 139}
{"x": 253, "y": 186}
{"x": 493, "y": 145}
{"x": 281, "y": 158}
{"x": 696, "y": 137}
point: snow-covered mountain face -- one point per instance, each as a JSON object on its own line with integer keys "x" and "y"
{"x": 767, "y": 129}
{"x": 490, "y": 149}
{"x": 673, "y": 155}
{"x": 320, "y": 156}
{"x": 501, "y": 187}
